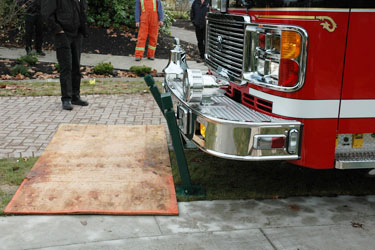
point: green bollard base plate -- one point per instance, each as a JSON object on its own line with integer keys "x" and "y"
{"x": 196, "y": 191}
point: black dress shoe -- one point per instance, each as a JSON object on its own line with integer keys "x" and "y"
{"x": 40, "y": 53}
{"x": 80, "y": 102}
{"x": 67, "y": 105}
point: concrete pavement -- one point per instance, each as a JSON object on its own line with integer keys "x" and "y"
{"x": 118, "y": 62}
{"x": 28, "y": 123}
{"x": 340, "y": 223}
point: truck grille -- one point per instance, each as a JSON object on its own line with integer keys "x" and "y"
{"x": 225, "y": 42}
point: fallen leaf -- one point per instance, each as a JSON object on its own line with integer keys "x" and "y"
{"x": 3, "y": 86}
{"x": 294, "y": 207}
{"x": 275, "y": 197}
{"x": 83, "y": 222}
{"x": 357, "y": 225}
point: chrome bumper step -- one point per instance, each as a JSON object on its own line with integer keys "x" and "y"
{"x": 232, "y": 130}
{"x": 355, "y": 160}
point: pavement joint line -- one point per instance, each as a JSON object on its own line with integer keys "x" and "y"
{"x": 147, "y": 237}
{"x": 268, "y": 239}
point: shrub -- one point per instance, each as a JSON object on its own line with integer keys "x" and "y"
{"x": 9, "y": 14}
{"x": 103, "y": 69}
{"x": 118, "y": 13}
{"x": 57, "y": 67}
{"x": 27, "y": 60}
{"x": 181, "y": 15}
{"x": 168, "y": 20}
{"x": 19, "y": 69}
{"x": 140, "y": 70}
{"x": 111, "y": 12}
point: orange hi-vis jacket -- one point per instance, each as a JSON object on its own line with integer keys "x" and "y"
{"x": 149, "y": 25}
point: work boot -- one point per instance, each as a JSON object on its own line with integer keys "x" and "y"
{"x": 138, "y": 59}
{"x": 151, "y": 58}
{"x": 78, "y": 101}
{"x": 67, "y": 105}
{"x": 40, "y": 53}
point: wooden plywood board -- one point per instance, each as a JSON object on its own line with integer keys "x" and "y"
{"x": 93, "y": 169}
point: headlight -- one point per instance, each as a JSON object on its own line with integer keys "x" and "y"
{"x": 221, "y": 5}
{"x": 215, "y": 4}
{"x": 275, "y": 56}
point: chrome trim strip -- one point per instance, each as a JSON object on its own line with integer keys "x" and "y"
{"x": 224, "y": 62}
{"x": 240, "y": 40}
{"x": 229, "y": 55}
{"x": 355, "y": 164}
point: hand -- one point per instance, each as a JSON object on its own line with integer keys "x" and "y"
{"x": 161, "y": 23}
{"x": 137, "y": 25}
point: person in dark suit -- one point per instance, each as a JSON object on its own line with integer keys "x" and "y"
{"x": 67, "y": 21}
{"x": 198, "y": 13}
{"x": 33, "y": 21}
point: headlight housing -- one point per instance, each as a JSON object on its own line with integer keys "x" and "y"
{"x": 275, "y": 56}
{"x": 221, "y": 5}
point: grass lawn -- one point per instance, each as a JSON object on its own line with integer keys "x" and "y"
{"x": 226, "y": 179}
{"x": 12, "y": 173}
{"x": 111, "y": 87}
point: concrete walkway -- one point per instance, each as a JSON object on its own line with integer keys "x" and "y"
{"x": 297, "y": 223}
{"x": 28, "y": 123}
{"x": 119, "y": 62}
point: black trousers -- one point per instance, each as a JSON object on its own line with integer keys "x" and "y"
{"x": 200, "y": 32}
{"x": 68, "y": 53}
{"x": 34, "y": 23}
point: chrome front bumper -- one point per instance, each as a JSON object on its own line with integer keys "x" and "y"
{"x": 232, "y": 130}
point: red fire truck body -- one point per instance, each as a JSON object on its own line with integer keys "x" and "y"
{"x": 308, "y": 61}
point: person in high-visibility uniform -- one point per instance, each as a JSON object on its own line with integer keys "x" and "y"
{"x": 148, "y": 16}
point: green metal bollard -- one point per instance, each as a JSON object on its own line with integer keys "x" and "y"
{"x": 154, "y": 90}
{"x": 165, "y": 104}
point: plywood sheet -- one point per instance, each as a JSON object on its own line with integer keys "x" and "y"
{"x": 93, "y": 169}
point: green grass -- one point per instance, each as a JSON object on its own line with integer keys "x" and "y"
{"x": 108, "y": 87}
{"x": 227, "y": 179}
{"x": 12, "y": 173}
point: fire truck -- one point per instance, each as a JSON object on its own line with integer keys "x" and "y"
{"x": 288, "y": 80}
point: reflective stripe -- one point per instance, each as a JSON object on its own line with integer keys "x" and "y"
{"x": 357, "y": 108}
{"x": 151, "y": 47}
{"x": 298, "y": 108}
{"x": 139, "y": 48}
{"x": 143, "y": 5}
